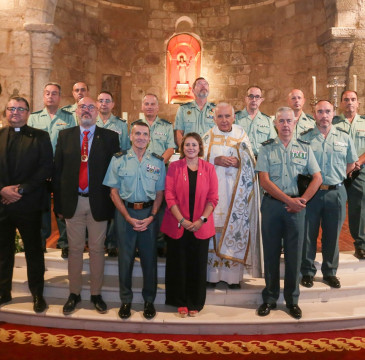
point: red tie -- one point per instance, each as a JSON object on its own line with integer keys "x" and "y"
{"x": 83, "y": 180}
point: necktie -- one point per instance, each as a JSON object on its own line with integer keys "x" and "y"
{"x": 83, "y": 180}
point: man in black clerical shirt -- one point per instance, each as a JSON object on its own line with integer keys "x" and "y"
{"x": 25, "y": 164}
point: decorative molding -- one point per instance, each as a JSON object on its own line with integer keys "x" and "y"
{"x": 120, "y": 6}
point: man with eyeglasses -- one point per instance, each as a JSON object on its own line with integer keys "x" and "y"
{"x": 25, "y": 164}
{"x": 283, "y": 209}
{"x": 296, "y": 101}
{"x": 257, "y": 125}
{"x": 52, "y": 119}
{"x": 195, "y": 116}
{"x": 336, "y": 156}
{"x": 354, "y": 124}
{"x": 109, "y": 121}
{"x": 82, "y": 157}
{"x": 79, "y": 91}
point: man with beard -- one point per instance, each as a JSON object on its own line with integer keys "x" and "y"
{"x": 79, "y": 91}
{"x": 196, "y": 116}
{"x": 82, "y": 199}
{"x": 257, "y": 125}
{"x": 354, "y": 124}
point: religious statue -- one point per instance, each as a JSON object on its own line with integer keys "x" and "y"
{"x": 182, "y": 67}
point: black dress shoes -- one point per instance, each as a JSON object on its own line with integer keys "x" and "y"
{"x": 125, "y": 311}
{"x": 5, "y": 298}
{"x": 99, "y": 304}
{"x": 71, "y": 303}
{"x": 39, "y": 304}
{"x": 332, "y": 281}
{"x": 294, "y": 311}
{"x": 265, "y": 309}
{"x": 234, "y": 286}
{"x": 307, "y": 281}
{"x": 360, "y": 254}
{"x": 112, "y": 252}
{"x": 64, "y": 253}
{"x": 149, "y": 311}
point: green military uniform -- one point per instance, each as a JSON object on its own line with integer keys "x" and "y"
{"x": 72, "y": 110}
{"x": 328, "y": 206}
{"x": 118, "y": 125}
{"x": 62, "y": 120}
{"x": 283, "y": 164}
{"x": 162, "y": 136}
{"x": 189, "y": 118}
{"x": 42, "y": 120}
{"x": 260, "y": 129}
{"x": 137, "y": 182}
{"x": 305, "y": 122}
{"x": 356, "y": 191}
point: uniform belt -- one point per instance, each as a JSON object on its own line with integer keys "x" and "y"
{"x": 138, "y": 205}
{"x": 271, "y": 197}
{"x": 330, "y": 187}
{"x": 84, "y": 194}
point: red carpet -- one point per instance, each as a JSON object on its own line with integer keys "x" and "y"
{"x": 26, "y": 342}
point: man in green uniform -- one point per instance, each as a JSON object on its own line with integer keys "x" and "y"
{"x": 336, "y": 155}
{"x": 283, "y": 209}
{"x": 296, "y": 101}
{"x": 79, "y": 91}
{"x": 196, "y": 116}
{"x": 354, "y": 125}
{"x": 258, "y": 126}
{"x": 137, "y": 181}
{"x": 109, "y": 121}
{"x": 52, "y": 119}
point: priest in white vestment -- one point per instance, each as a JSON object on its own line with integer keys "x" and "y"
{"x": 236, "y": 245}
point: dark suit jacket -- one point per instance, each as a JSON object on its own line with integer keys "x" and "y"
{"x": 33, "y": 166}
{"x": 67, "y": 167}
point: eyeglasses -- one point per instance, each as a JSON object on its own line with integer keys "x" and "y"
{"x": 107, "y": 101}
{"x": 85, "y": 107}
{"x": 251, "y": 97}
{"x": 20, "y": 109}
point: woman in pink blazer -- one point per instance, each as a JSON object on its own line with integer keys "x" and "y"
{"x": 191, "y": 193}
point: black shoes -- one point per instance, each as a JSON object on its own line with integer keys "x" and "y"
{"x": 71, "y": 303}
{"x": 294, "y": 311}
{"x": 64, "y": 253}
{"x": 125, "y": 311}
{"x": 39, "y": 304}
{"x": 149, "y": 311}
{"x": 265, "y": 309}
{"x": 211, "y": 285}
{"x": 112, "y": 252}
{"x": 360, "y": 254}
{"x": 332, "y": 281}
{"x": 307, "y": 281}
{"x": 5, "y": 298}
{"x": 234, "y": 286}
{"x": 99, "y": 304}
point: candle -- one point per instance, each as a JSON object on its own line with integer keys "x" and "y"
{"x": 125, "y": 116}
{"x": 141, "y": 116}
{"x": 314, "y": 86}
{"x": 355, "y": 82}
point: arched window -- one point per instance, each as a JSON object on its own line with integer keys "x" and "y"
{"x": 183, "y": 64}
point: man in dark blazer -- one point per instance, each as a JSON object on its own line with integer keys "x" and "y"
{"x": 82, "y": 156}
{"x": 25, "y": 164}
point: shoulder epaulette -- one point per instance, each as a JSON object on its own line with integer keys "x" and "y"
{"x": 65, "y": 110}
{"x": 303, "y": 141}
{"x": 212, "y": 104}
{"x": 267, "y": 142}
{"x": 166, "y": 121}
{"x": 306, "y": 132}
{"x": 186, "y": 104}
{"x": 157, "y": 156}
{"x": 362, "y": 116}
{"x": 268, "y": 116}
{"x": 237, "y": 112}
{"x": 118, "y": 118}
{"x": 36, "y": 112}
{"x": 309, "y": 116}
{"x": 119, "y": 154}
{"x": 340, "y": 129}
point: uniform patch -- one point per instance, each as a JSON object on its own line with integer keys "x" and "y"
{"x": 340, "y": 143}
{"x": 153, "y": 169}
{"x": 189, "y": 112}
{"x": 297, "y": 154}
{"x": 61, "y": 123}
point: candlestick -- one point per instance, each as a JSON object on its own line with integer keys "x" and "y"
{"x": 314, "y": 86}
{"x": 355, "y": 82}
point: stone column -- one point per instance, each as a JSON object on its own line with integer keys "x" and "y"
{"x": 42, "y": 39}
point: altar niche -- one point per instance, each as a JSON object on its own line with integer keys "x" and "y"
{"x": 183, "y": 64}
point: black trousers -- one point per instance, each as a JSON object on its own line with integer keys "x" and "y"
{"x": 29, "y": 226}
{"x": 186, "y": 271}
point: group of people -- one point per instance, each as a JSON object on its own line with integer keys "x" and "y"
{"x": 113, "y": 185}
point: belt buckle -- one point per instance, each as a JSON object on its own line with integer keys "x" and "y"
{"x": 325, "y": 187}
{"x": 138, "y": 206}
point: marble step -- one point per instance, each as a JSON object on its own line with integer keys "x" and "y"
{"x": 56, "y": 286}
{"x": 213, "y": 319}
{"x": 348, "y": 264}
